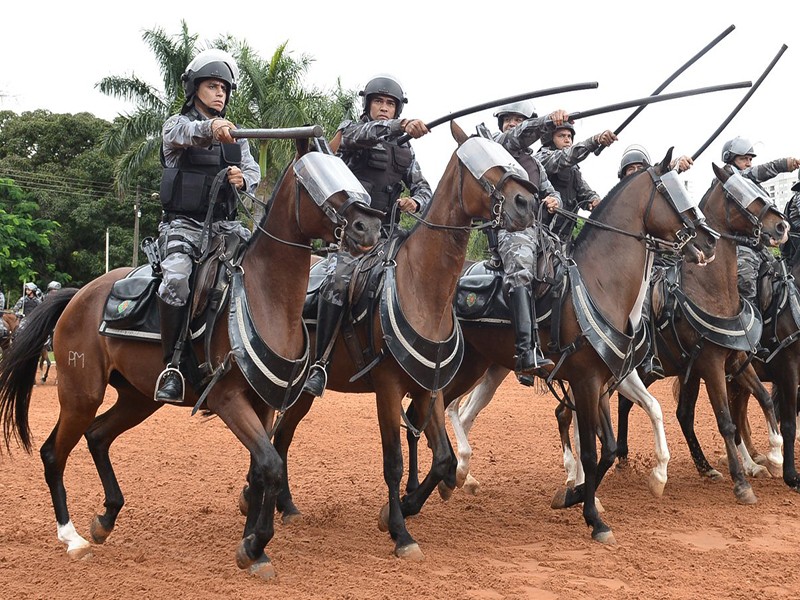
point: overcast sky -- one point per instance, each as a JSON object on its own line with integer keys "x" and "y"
{"x": 449, "y": 56}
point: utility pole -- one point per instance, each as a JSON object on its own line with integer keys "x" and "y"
{"x": 137, "y": 213}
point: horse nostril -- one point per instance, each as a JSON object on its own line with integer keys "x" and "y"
{"x": 359, "y": 226}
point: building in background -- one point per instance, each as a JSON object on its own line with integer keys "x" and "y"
{"x": 780, "y": 188}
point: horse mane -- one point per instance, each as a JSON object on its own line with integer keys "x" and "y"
{"x": 603, "y": 206}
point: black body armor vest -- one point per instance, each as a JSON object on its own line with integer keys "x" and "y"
{"x": 380, "y": 170}
{"x": 185, "y": 189}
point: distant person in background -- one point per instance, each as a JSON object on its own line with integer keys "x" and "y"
{"x": 28, "y": 301}
{"x": 53, "y": 286}
{"x": 2, "y": 300}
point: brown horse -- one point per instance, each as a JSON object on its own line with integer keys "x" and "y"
{"x": 711, "y": 327}
{"x": 268, "y": 287}
{"x": 425, "y": 269}
{"x": 10, "y": 324}
{"x": 780, "y": 305}
{"x": 637, "y": 209}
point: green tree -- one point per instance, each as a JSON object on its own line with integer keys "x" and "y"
{"x": 23, "y": 235}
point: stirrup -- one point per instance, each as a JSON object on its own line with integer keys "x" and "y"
{"x": 160, "y": 379}
{"x": 652, "y": 367}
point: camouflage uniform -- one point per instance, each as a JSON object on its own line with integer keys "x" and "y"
{"x": 518, "y": 249}
{"x": 359, "y": 139}
{"x": 181, "y": 237}
{"x": 565, "y": 175}
{"x": 792, "y": 211}
{"x": 748, "y": 259}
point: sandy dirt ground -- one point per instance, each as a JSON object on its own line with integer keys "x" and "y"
{"x": 179, "y": 529}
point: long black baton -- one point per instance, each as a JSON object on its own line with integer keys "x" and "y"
{"x": 669, "y": 80}
{"x": 739, "y": 106}
{"x": 582, "y": 114}
{"x": 590, "y": 85}
{"x": 281, "y": 133}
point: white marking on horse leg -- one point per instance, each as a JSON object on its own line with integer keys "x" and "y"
{"x": 463, "y": 449}
{"x": 775, "y": 454}
{"x": 751, "y": 467}
{"x": 570, "y": 466}
{"x": 634, "y": 389}
{"x": 580, "y": 476}
{"x": 68, "y": 535}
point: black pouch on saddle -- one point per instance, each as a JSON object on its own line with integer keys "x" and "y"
{"x": 477, "y": 295}
{"x": 128, "y": 301}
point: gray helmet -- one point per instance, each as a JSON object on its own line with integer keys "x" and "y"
{"x": 547, "y": 137}
{"x": 209, "y": 63}
{"x": 31, "y": 286}
{"x": 633, "y": 154}
{"x": 385, "y": 85}
{"x": 523, "y": 107}
{"x": 53, "y": 285}
{"x": 738, "y": 146}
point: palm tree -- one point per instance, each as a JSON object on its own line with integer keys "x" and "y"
{"x": 269, "y": 95}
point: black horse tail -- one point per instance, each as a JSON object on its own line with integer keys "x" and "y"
{"x": 19, "y": 363}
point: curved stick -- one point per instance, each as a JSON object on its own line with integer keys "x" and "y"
{"x": 281, "y": 133}
{"x": 750, "y": 92}
{"x": 669, "y": 80}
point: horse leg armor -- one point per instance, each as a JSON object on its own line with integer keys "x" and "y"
{"x": 329, "y": 319}
{"x": 530, "y": 359}
{"x": 170, "y": 382}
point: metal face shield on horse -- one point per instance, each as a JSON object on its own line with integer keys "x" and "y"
{"x": 325, "y": 175}
{"x": 744, "y": 192}
{"x": 478, "y": 155}
{"x": 673, "y": 190}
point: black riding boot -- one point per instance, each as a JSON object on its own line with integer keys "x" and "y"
{"x": 170, "y": 382}
{"x": 652, "y": 369}
{"x": 329, "y": 318}
{"x": 530, "y": 360}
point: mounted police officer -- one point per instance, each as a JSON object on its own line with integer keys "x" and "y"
{"x": 385, "y": 168}
{"x": 197, "y": 152}
{"x": 739, "y": 153}
{"x": 793, "y": 215}
{"x": 560, "y": 158}
{"x": 28, "y": 301}
{"x": 53, "y": 286}
{"x": 520, "y": 127}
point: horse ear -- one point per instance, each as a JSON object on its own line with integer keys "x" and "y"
{"x": 335, "y": 141}
{"x": 302, "y": 146}
{"x": 664, "y": 166}
{"x": 458, "y": 134}
{"x": 720, "y": 172}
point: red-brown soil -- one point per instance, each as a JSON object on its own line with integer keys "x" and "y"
{"x": 178, "y": 532}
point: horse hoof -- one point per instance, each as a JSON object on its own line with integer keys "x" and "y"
{"x": 80, "y": 552}
{"x": 472, "y": 486}
{"x": 760, "y": 459}
{"x": 444, "y": 491}
{"x": 288, "y": 518}
{"x": 760, "y": 472}
{"x": 745, "y": 495}
{"x": 244, "y": 505}
{"x": 410, "y": 552}
{"x": 713, "y": 475}
{"x": 560, "y": 499}
{"x": 383, "y": 518}
{"x": 98, "y": 532}
{"x": 775, "y": 470}
{"x": 605, "y": 537}
{"x": 655, "y": 486}
{"x": 461, "y": 477}
{"x": 243, "y": 560}
{"x": 262, "y": 569}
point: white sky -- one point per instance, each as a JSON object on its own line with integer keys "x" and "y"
{"x": 452, "y": 55}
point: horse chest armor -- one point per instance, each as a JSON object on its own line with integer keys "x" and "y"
{"x": 432, "y": 364}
